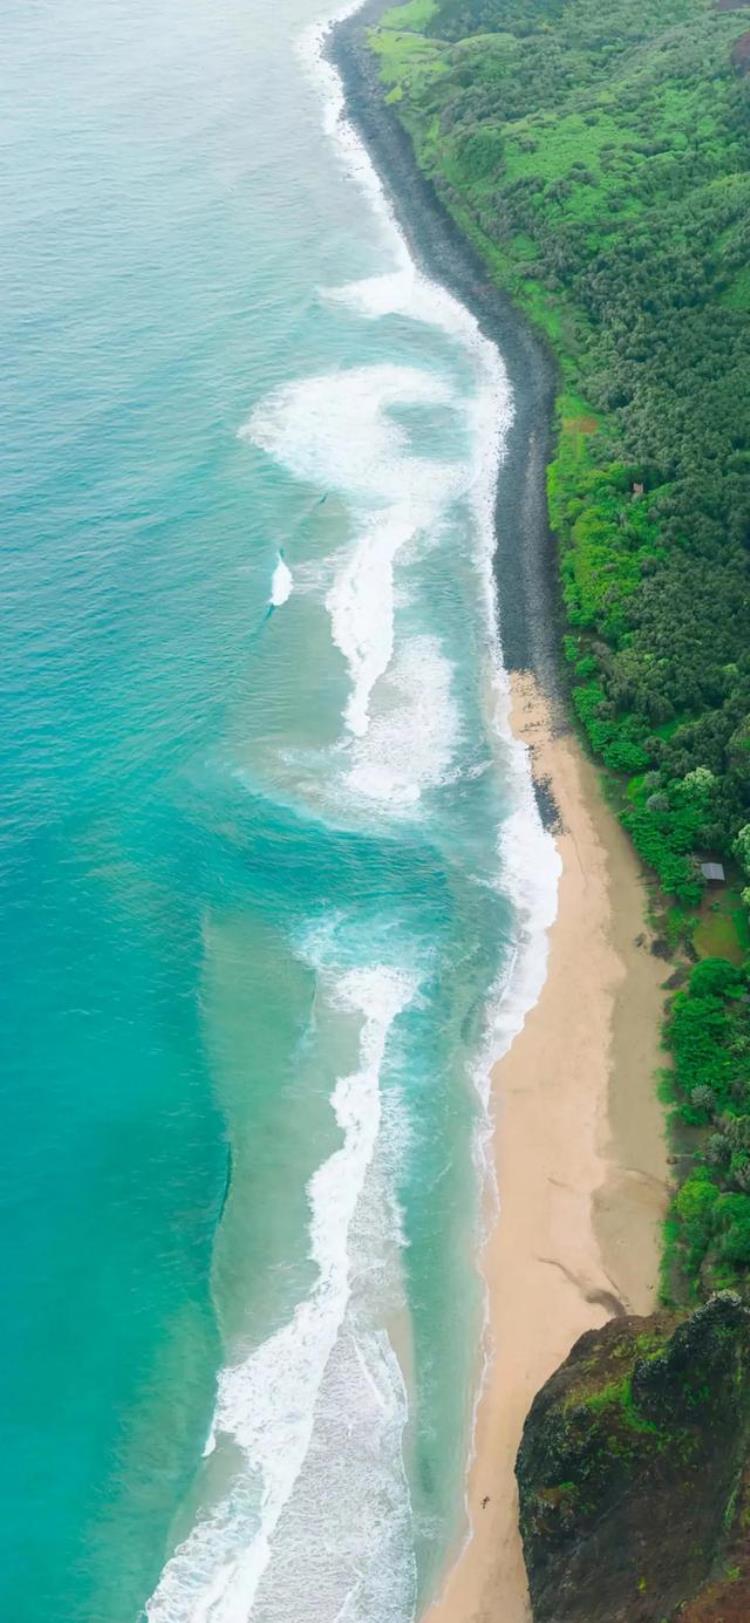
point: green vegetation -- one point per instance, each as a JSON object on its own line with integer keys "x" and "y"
{"x": 708, "y": 1033}
{"x": 633, "y": 1475}
{"x": 599, "y": 159}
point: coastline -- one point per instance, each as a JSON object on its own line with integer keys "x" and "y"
{"x": 525, "y": 555}
{"x": 579, "y": 1151}
{"x": 578, "y": 1142}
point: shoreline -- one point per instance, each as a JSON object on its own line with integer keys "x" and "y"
{"x": 578, "y": 1131}
{"x": 525, "y": 560}
{"x": 580, "y": 1157}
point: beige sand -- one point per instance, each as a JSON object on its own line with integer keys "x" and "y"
{"x": 580, "y": 1154}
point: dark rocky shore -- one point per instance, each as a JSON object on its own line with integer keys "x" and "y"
{"x": 525, "y": 559}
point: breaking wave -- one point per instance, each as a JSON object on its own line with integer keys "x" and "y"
{"x": 266, "y": 1421}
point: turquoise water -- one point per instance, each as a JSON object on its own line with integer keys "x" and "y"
{"x": 262, "y": 850}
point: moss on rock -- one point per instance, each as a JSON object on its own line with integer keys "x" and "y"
{"x": 631, "y": 1472}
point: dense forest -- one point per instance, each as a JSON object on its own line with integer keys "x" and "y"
{"x": 599, "y": 159}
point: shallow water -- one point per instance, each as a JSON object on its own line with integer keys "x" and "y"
{"x": 272, "y": 883}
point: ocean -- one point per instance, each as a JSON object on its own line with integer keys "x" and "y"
{"x": 273, "y": 886}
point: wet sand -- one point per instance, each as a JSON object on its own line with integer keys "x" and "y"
{"x": 579, "y": 1150}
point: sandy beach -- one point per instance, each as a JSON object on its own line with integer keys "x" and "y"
{"x": 580, "y": 1155}
{"x": 579, "y": 1132}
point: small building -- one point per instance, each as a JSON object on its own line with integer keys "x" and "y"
{"x": 638, "y": 488}
{"x": 713, "y": 872}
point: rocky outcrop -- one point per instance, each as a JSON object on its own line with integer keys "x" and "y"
{"x": 633, "y": 1473}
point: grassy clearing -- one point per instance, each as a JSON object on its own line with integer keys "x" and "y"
{"x": 722, "y": 927}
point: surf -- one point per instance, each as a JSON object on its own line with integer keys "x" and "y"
{"x": 282, "y": 583}
{"x": 338, "y": 432}
{"x": 281, "y": 1471}
{"x": 266, "y": 1403}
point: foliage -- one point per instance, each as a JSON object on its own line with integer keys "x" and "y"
{"x": 599, "y": 159}
{"x": 708, "y": 1033}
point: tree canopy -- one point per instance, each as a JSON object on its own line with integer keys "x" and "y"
{"x": 599, "y": 159}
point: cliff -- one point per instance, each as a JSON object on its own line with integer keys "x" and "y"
{"x": 633, "y": 1473}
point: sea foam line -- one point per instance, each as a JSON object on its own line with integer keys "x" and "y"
{"x": 530, "y": 865}
{"x": 266, "y": 1403}
{"x": 412, "y": 744}
{"x": 529, "y": 862}
{"x": 335, "y": 430}
{"x": 404, "y": 290}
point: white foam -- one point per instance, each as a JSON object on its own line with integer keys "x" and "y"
{"x": 266, "y": 1402}
{"x": 360, "y": 604}
{"x": 406, "y": 292}
{"x": 337, "y": 431}
{"x": 410, "y": 744}
{"x": 282, "y": 583}
{"x": 403, "y": 290}
{"x": 529, "y": 864}
{"x": 334, "y": 430}
{"x": 344, "y": 1551}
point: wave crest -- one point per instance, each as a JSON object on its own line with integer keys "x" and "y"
{"x": 266, "y": 1403}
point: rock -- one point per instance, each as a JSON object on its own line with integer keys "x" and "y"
{"x": 633, "y": 1473}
